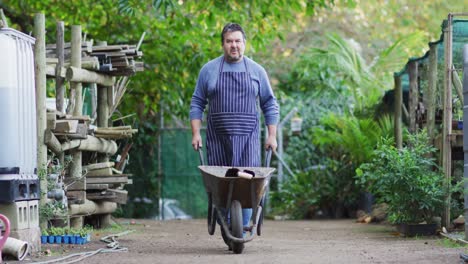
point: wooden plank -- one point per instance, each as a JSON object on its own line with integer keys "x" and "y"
{"x": 109, "y": 54}
{"x": 76, "y": 197}
{"x": 66, "y": 126}
{"x": 121, "y": 195}
{"x": 51, "y": 117}
{"x": 109, "y": 180}
{"x": 110, "y": 47}
{"x": 101, "y": 165}
{"x": 52, "y": 142}
{"x": 103, "y": 195}
{"x": 91, "y": 186}
{"x": 80, "y": 118}
{"x": 99, "y": 172}
{"x": 75, "y": 184}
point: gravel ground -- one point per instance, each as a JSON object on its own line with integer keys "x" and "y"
{"x": 317, "y": 241}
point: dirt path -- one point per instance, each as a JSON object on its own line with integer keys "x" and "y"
{"x": 336, "y": 241}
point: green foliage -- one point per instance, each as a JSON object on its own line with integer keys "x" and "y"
{"x": 408, "y": 180}
{"x": 348, "y": 136}
{"x": 181, "y": 36}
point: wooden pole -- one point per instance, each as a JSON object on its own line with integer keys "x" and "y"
{"x": 76, "y": 165}
{"x": 91, "y": 143}
{"x": 397, "y": 116}
{"x": 431, "y": 92}
{"x": 413, "y": 94}
{"x": 447, "y": 125}
{"x": 59, "y": 81}
{"x": 75, "y": 74}
{"x": 40, "y": 76}
{"x": 102, "y": 121}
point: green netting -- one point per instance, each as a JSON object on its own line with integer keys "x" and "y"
{"x": 182, "y": 180}
{"x": 459, "y": 39}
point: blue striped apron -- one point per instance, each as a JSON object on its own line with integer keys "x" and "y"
{"x": 233, "y": 126}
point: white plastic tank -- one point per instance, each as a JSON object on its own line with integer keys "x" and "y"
{"x": 18, "y": 139}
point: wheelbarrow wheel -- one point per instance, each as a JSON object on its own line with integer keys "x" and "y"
{"x": 237, "y": 226}
{"x": 211, "y": 216}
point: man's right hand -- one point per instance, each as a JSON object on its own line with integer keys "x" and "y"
{"x": 196, "y": 141}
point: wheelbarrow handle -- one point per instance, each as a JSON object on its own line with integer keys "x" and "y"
{"x": 200, "y": 153}
{"x": 268, "y": 157}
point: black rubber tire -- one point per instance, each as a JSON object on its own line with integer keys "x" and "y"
{"x": 211, "y": 216}
{"x": 237, "y": 226}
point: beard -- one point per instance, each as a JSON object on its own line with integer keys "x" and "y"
{"x": 234, "y": 57}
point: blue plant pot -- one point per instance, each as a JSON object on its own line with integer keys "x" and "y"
{"x": 43, "y": 239}
{"x": 51, "y": 239}
{"x": 72, "y": 239}
{"x": 58, "y": 239}
{"x": 66, "y": 239}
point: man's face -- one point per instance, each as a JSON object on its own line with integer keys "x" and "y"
{"x": 233, "y": 46}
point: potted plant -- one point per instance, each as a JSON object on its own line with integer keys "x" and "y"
{"x": 50, "y": 237}
{"x": 57, "y": 232}
{"x": 73, "y": 236}
{"x": 66, "y": 235}
{"x": 44, "y": 235}
{"x": 408, "y": 181}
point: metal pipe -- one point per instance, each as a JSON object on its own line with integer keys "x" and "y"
{"x": 280, "y": 141}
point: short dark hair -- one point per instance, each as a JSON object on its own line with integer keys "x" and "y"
{"x": 231, "y": 27}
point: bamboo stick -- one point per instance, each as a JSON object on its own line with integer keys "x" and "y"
{"x": 413, "y": 94}
{"x": 397, "y": 115}
{"x": 432, "y": 92}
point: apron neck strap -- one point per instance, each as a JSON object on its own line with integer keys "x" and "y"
{"x": 243, "y": 59}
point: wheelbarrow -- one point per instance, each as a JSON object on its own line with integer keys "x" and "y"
{"x": 233, "y": 189}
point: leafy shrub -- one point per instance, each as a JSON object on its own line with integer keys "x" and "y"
{"x": 407, "y": 179}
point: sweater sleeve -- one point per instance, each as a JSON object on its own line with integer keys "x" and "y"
{"x": 268, "y": 102}
{"x": 199, "y": 97}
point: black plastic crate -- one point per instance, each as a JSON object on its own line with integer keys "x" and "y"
{"x": 14, "y": 190}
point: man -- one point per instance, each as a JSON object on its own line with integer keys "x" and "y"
{"x": 231, "y": 85}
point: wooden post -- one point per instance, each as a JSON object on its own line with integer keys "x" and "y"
{"x": 59, "y": 81}
{"x": 102, "y": 121}
{"x": 397, "y": 116}
{"x": 431, "y": 92}
{"x": 40, "y": 76}
{"x": 75, "y": 172}
{"x": 465, "y": 136}
{"x": 413, "y": 94}
{"x": 447, "y": 125}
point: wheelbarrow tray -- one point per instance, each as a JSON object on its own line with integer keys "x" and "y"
{"x": 217, "y": 185}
